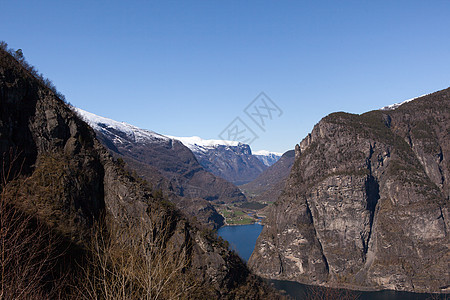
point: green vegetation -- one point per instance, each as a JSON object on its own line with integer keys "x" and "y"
{"x": 235, "y": 215}
{"x": 252, "y": 205}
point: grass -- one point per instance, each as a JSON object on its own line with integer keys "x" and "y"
{"x": 252, "y": 205}
{"x": 235, "y": 216}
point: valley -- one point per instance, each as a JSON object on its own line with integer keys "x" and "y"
{"x": 95, "y": 208}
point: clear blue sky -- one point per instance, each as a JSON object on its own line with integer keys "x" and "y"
{"x": 188, "y": 68}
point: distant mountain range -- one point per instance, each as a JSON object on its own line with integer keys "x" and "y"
{"x": 230, "y": 160}
{"x": 168, "y": 165}
{"x": 266, "y": 157}
{"x": 196, "y": 171}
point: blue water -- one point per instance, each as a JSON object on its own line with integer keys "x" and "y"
{"x": 298, "y": 291}
{"x": 242, "y": 238}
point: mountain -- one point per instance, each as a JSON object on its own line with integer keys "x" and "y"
{"x": 120, "y": 238}
{"x": 266, "y": 157}
{"x": 168, "y": 165}
{"x": 366, "y": 202}
{"x": 269, "y": 184}
{"x": 396, "y": 105}
{"x": 230, "y": 160}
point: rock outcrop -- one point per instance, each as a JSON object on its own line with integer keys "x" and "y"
{"x": 366, "y": 203}
{"x": 65, "y": 178}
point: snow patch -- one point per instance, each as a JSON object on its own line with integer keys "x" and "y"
{"x": 267, "y": 157}
{"x": 265, "y": 152}
{"x": 110, "y": 126}
{"x": 197, "y": 144}
{"x": 396, "y": 105}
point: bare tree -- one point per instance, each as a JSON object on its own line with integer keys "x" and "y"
{"x": 136, "y": 261}
{"x": 325, "y": 293}
{"x": 28, "y": 250}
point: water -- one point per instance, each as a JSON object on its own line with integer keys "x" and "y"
{"x": 242, "y": 238}
{"x": 300, "y": 291}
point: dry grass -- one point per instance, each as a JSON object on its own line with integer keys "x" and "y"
{"x": 136, "y": 262}
{"x": 28, "y": 250}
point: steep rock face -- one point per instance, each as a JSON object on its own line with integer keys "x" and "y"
{"x": 68, "y": 180}
{"x": 230, "y": 160}
{"x": 366, "y": 203}
{"x": 268, "y": 185}
{"x": 233, "y": 163}
{"x": 267, "y": 158}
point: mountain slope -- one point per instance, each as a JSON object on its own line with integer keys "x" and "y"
{"x": 230, "y": 160}
{"x": 69, "y": 181}
{"x": 168, "y": 165}
{"x": 366, "y": 202}
{"x": 268, "y": 185}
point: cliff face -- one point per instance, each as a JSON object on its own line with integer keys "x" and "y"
{"x": 366, "y": 202}
{"x": 67, "y": 180}
{"x": 233, "y": 163}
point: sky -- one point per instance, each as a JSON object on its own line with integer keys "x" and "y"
{"x": 194, "y": 68}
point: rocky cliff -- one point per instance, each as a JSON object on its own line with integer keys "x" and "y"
{"x": 67, "y": 180}
{"x": 366, "y": 202}
{"x": 230, "y": 160}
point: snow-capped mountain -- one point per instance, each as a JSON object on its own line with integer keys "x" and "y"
{"x": 266, "y": 157}
{"x": 230, "y": 160}
{"x": 395, "y": 105}
{"x": 122, "y": 131}
{"x": 197, "y": 144}
{"x": 167, "y": 165}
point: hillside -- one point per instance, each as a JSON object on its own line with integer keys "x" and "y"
{"x": 120, "y": 237}
{"x": 366, "y": 203}
{"x": 269, "y": 184}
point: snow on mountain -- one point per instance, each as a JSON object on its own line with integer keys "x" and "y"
{"x": 199, "y": 145}
{"x": 121, "y": 130}
{"x": 267, "y": 157}
{"x": 395, "y": 105}
{"x": 230, "y": 160}
{"x": 265, "y": 152}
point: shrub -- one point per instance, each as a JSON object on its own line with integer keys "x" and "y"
{"x": 136, "y": 261}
